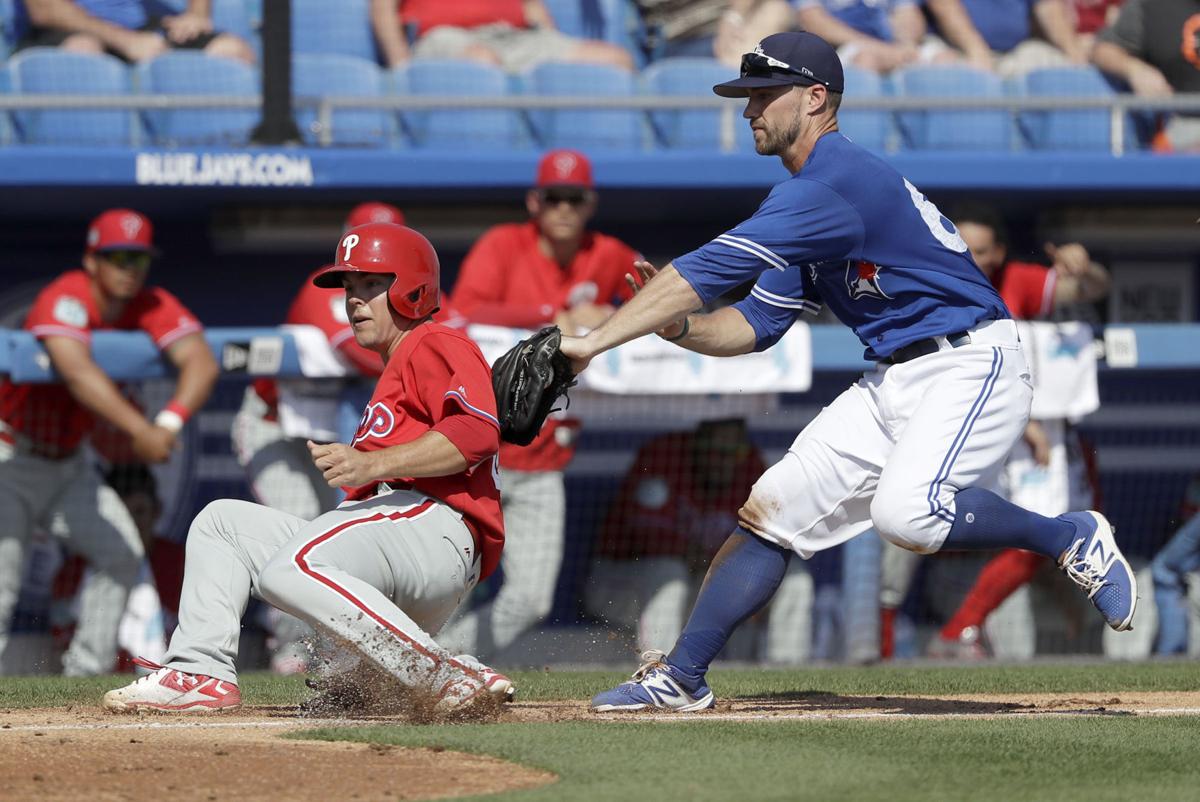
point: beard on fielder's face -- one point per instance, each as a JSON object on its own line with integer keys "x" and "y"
{"x": 776, "y": 117}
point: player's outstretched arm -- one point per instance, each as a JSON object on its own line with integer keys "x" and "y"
{"x": 431, "y": 454}
{"x": 197, "y": 368}
{"x": 666, "y": 298}
{"x": 724, "y": 332}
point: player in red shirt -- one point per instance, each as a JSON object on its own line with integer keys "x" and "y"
{"x": 43, "y": 472}
{"x": 421, "y": 525}
{"x": 278, "y": 417}
{"x": 671, "y": 514}
{"x": 551, "y": 269}
{"x": 513, "y": 34}
{"x": 1031, "y": 292}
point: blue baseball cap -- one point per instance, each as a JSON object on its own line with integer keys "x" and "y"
{"x": 792, "y": 57}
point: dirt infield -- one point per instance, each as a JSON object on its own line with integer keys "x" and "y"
{"x": 87, "y": 754}
{"x": 74, "y": 753}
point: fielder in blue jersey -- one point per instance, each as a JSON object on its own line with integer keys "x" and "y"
{"x": 913, "y": 448}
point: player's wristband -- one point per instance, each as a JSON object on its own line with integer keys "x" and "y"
{"x": 687, "y": 325}
{"x": 172, "y": 417}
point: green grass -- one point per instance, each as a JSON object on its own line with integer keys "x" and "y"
{"x": 1092, "y": 758}
{"x": 268, "y": 689}
{"x": 20, "y": 692}
{"x": 896, "y": 679}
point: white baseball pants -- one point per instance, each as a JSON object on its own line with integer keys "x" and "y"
{"x": 894, "y": 449}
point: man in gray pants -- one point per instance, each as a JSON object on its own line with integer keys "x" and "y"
{"x": 421, "y": 524}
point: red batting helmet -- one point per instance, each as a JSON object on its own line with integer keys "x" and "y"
{"x": 373, "y": 212}
{"x": 397, "y": 251}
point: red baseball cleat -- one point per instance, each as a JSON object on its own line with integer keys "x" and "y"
{"x": 171, "y": 691}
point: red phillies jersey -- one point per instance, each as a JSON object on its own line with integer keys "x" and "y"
{"x": 437, "y": 372}
{"x": 506, "y": 280}
{"x": 1027, "y": 289}
{"x": 47, "y": 413}
{"x": 429, "y": 14}
{"x": 325, "y": 309}
{"x": 1092, "y": 15}
{"x": 678, "y": 500}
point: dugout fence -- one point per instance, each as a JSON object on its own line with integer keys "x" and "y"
{"x": 651, "y": 454}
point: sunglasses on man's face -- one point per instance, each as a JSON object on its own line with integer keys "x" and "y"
{"x": 760, "y": 65}
{"x": 128, "y": 260}
{"x": 555, "y": 197}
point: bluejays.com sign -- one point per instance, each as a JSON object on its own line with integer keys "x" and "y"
{"x": 177, "y": 169}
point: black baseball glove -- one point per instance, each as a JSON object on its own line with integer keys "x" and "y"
{"x": 528, "y": 379}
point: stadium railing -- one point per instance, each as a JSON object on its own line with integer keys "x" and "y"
{"x": 1117, "y": 106}
{"x": 1146, "y": 434}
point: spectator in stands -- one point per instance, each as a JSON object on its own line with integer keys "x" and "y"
{"x": 875, "y": 36}
{"x": 514, "y": 34}
{"x": 671, "y": 514}
{"x": 1170, "y": 569}
{"x": 44, "y": 474}
{"x": 277, "y": 418}
{"x": 1154, "y": 46}
{"x": 1092, "y": 16}
{"x": 721, "y": 29}
{"x": 549, "y": 270}
{"x": 1031, "y": 292}
{"x": 1007, "y": 28}
{"x": 124, "y": 28}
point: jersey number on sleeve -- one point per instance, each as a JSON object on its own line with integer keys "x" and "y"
{"x": 933, "y": 221}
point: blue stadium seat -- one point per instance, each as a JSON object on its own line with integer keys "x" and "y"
{"x": 692, "y": 77}
{"x": 586, "y": 129}
{"x": 188, "y": 72}
{"x": 333, "y": 26}
{"x": 1084, "y": 129}
{"x": 970, "y": 129}
{"x": 7, "y": 33}
{"x": 318, "y": 74}
{"x": 460, "y": 128}
{"x": 610, "y": 21}
{"x": 870, "y": 128}
{"x": 6, "y": 135}
{"x": 50, "y": 71}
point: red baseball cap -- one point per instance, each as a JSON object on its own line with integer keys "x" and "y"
{"x": 564, "y": 168}
{"x": 374, "y": 212}
{"x": 121, "y": 230}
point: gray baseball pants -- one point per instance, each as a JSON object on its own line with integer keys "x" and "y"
{"x": 381, "y": 574}
{"x": 281, "y": 475}
{"x": 67, "y": 498}
{"x": 535, "y": 511}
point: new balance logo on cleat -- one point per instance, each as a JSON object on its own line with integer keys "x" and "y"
{"x": 659, "y": 691}
{"x": 1096, "y": 565}
{"x": 1100, "y": 557}
{"x": 653, "y": 686}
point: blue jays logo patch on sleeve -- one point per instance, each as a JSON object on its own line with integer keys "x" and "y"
{"x": 862, "y": 280}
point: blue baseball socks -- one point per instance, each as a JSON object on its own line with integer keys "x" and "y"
{"x": 742, "y": 578}
{"x": 983, "y": 520}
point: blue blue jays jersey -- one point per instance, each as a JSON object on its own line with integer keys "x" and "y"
{"x": 849, "y": 232}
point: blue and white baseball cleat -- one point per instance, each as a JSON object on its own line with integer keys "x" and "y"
{"x": 654, "y": 685}
{"x": 1096, "y": 564}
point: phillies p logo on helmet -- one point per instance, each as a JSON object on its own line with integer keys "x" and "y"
{"x": 393, "y": 250}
